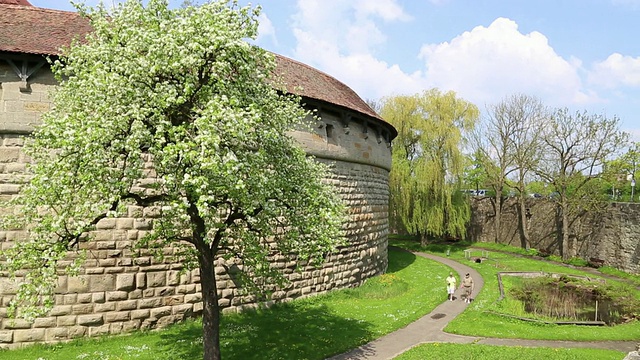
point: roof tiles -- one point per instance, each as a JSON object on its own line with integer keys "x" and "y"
{"x": 31, "y": 30}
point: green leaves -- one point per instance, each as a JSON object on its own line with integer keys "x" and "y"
{"x": 428, "y": 163}
{"x": 172, "y": 108}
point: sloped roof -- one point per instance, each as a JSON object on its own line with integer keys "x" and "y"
{"x": 32, "y": 30}
{"x": 15, "y": 2}
{"x": 26, "y": 29}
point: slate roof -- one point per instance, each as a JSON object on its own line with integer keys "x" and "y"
{"x": 26, "y": 29}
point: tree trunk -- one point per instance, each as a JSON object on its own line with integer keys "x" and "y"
{"x": 210, "y": 311}
{"x": 523, "y": 223}
{"x": 559, "y": 230}
{"x": 498, "y": 219}
{"x": 567, "y": 250}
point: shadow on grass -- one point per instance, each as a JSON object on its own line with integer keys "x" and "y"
{"x": 440, "y": 247}
{"x": 403, "y": 259}
{"x": 284, "y": 331}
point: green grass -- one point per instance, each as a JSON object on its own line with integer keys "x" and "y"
{"x": 439, "y": 351}
{"x": 480, "y": 319}
{"x": 321, "y": 326}
{"x": 312, "y": 328}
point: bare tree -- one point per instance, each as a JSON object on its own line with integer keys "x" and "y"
{"x": 529, "y": 115}
{"x": 494, "y": 149}
{"x": 576, "y": 147}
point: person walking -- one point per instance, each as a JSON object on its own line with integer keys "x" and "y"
{"x": 451, "y": 285}
{"x": 467, "y": 285}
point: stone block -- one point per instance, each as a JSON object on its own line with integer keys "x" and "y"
{"x": 140, "y": 314}
{"x": 45, "y": 322}
{"x": 60, "y": 310}
{"x": 90, "y": 320}
{"x": 85, "y": 298}
{"x": 117, "y": 295}
{"x": 77, "y": 332}
{"x": 64, "y": 321}
{"x": 141, "y": 280}
{"x": 117, "y": 316}
{"x": 130, "y": 326}
{"x": 116, "y": 328}
{"x": 99, "y": 330}
{"x": 149, "y": 303}
{"x": 135, "y": 294}
{"x": 56, "y": 334}
{"x": 108, "y": 223}
{"x": 182, "y": 309}
{"x": 6, "y": 337}
{"x": 82, "y": 309}
{"x": 98, "y": 297}
{"x": 15, "y": 324}
{"x": 142, "y": 224}
{"x": 105, "y": 307}
{"x": 70, "y": 299}
{"x": 31, "y": 335}
{"x": 160, "y": 312}
{"x": 173, "y": 300}
{"x": 127, "y": 305}
{"x": 173, "y": 278}
{"x": 193, "y": 298}
{"x": 102, "y": 283}
{"x": 165, "y": 291}
{"x": 156, "y": 279}
{"x": 108, "y": 263}
{"x": 125, "y": 282}
{"x": 124, "y": 224}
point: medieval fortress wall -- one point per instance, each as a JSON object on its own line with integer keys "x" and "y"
{"x": 610, "y": 236}
{"x": 119, "y": 290}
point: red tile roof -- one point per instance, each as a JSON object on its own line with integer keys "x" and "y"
{"x": 32, "y": 30}
{"x": 15, "y": 2}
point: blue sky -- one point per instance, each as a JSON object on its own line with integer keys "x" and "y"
{"x": 580, "y": 54}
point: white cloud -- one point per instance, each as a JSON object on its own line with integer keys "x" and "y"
{"x": 487, "y": 63}
{"x": 339, "y": 37}
{"x": 266, "y": 29}
{"x": 387, "y": 10}
{"x": 616, "y": 70}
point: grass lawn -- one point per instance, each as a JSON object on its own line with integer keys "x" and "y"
{"x": 439, "y": 351}
{"x": 321, "y": 326}
{"x": 312, "y": 328}
{"x": 480, "y": 319}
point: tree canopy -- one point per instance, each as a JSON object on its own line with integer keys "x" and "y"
{"x": 172, "y": 108}
{"x": 428, "y": 163}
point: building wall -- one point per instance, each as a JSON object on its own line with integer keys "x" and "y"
{"x": 611, "y": 235}
{"x": 119, "y": 290}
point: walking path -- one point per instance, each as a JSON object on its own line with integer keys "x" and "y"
{"x": 430, "y": 327}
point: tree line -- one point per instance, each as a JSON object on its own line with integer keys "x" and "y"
{"x": 445, "y": 147}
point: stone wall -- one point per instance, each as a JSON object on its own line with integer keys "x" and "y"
{"x": 611, "y": 235}
{"x": 119, "y": 290}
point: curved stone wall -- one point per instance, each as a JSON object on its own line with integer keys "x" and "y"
{"x": 119, "y": 290}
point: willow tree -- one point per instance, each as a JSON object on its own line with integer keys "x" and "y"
{"x": 172, "y": 109}
{"x": 428, "y": 163}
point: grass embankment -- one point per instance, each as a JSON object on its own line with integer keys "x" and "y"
{"x": 482, "y": 317}
{"x": 312, "y": 328}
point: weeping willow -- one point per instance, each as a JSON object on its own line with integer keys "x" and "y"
{"x": 428, "y": 162}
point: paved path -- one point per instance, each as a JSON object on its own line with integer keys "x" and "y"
{"x": 430, "y": 327}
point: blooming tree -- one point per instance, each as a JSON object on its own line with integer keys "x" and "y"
{"x": 172, "y": 109}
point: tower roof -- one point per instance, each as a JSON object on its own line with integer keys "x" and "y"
{"x": 26, "y": 29}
